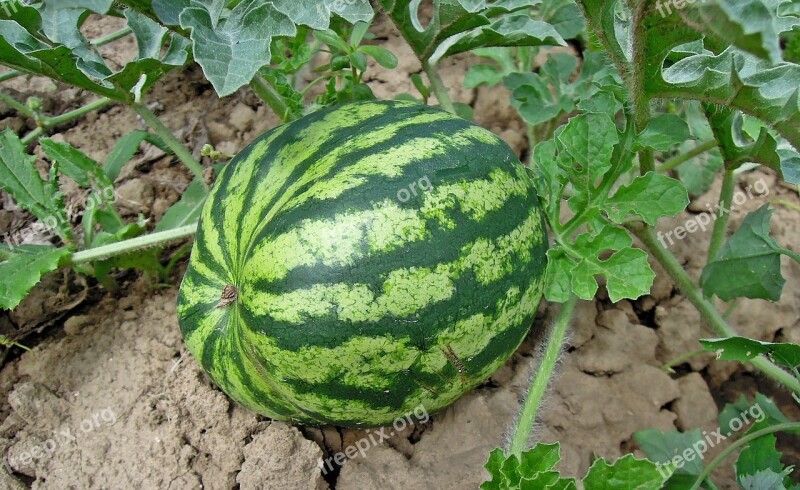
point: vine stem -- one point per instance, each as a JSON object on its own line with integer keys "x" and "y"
{"x": 679, "y": 160}
{"x": 739, "y": 443}
{"x": 110, "y": 38}
{"x": 131, "y": 245}
{"x": 267, "y": 93}
{"x": 47, "y": 122}
{"x": 17, "y": 106}
{"x": 9, "y": 75}
{"x": 438, "y": 87}
{"x": 681, "y": 359}
{"x": 527, "y": 417}
{"x": 723, "y": 214}
{"x": 791, "y": 254}
{"x": 171, "y": 141}
{"x": 707, "y": 310}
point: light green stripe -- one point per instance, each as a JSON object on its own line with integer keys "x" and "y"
{"x": 339, "y": 241}
{"x": 475, "y": 198}
{"x": 494, "y": 259}
{"x": 404, "y": 292}
{"x": 390, "y": 162}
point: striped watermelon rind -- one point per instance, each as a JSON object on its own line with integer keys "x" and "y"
{"x": 363, "y": 261}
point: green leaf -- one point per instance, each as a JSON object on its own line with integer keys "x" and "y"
{"x": 665, "y": 447}
{"x": 749, "y": 264}
{"x": 746, "y": 24}
{"x": 186, "y": 210}
{"x": 745, "y": 139}
{"x": 714, "y": 73}
{"x": 790, "y": 165}
{"x": 540, "y": 458}
{"x": 125, "y": 148}
{"x": 150, "y": 38}
{"x": 332, "y": 39}
{"x": 23, "y": 269}
{"x": 589, "y": 139}
{"x": 167, "y": 11}
{"x": 21, "y": 50}
{"x": 317, "y": 14}
{"x": 558, "y": 283}
{"x": 478, "y": 75}
{"x": 19, "y": 177}
{"x": 565, "y": 16}
{"x": 532, "y": 470}
{"x": 511, "y": 30}
{"x": 626, "y": 472}
{"x": 462, "y": 25}
{"x": 75, "y": 164}
{"x": 759, "y": 455}
{"x": 532, "y": 98}
{"x": 765, "y": 479}
{"x": 650, "y": 196}
{"x": 66, "y": 55}
{"x": 743, "y": 349}
{"x": 662, "y": 132}
{"x": 231, "y": 50}
{"x": 760, "y": 413}
{"x": 383, "y": 56}
{"x": 60, "y": 23}
{"x": 698, "y": 174}
{"x": 627, "y": 273}
{"x": 543, "y": 96}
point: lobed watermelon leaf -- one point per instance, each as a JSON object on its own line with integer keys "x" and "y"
{"x": 22, "y": 269}
{"x": 625, "y": 472}
{"x": 19, "y": 177}
{"x": 462, "y": 25}
{"x": 535, "y": 469}
{"x": 584, "y": 155}
{"x": 749, "y": 264}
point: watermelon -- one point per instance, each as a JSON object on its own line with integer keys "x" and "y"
{"x": 361, "y": 262}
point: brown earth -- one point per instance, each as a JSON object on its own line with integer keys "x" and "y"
{"x": 108, "y": 397}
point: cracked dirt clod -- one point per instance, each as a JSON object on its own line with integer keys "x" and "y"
{"x": 293, "y": 461}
